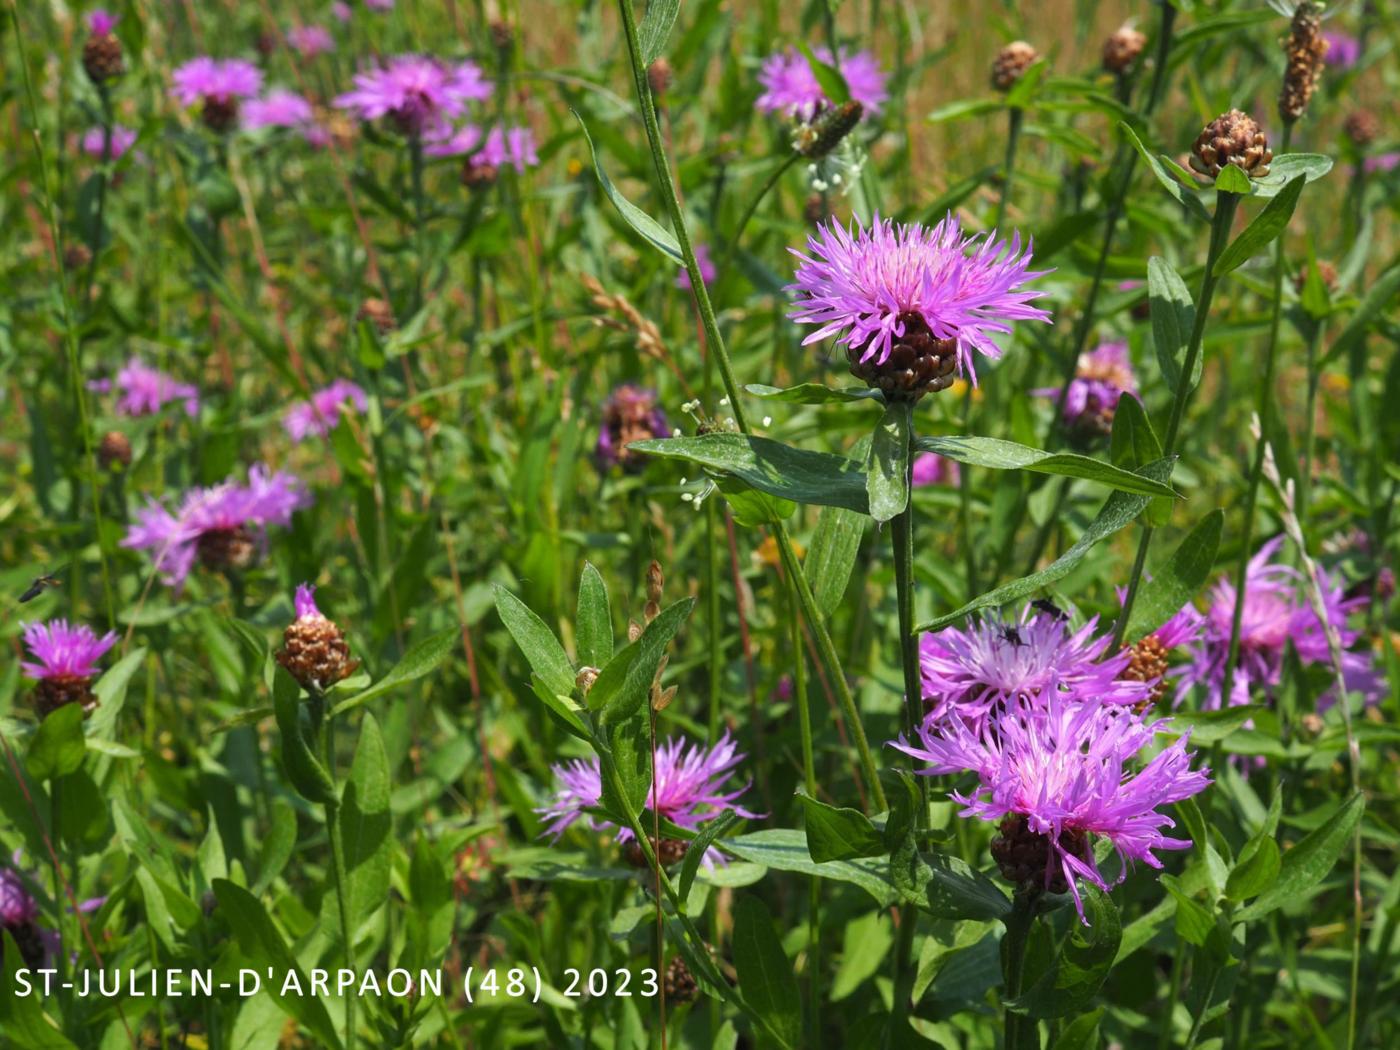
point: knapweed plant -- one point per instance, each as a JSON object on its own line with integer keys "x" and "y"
{"x": 628, "y": 524}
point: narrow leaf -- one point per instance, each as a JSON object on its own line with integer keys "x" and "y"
{"x": 542, "y": 650}
{"x": 1307, "y": 863}
{"x": 421, "y": 658}
{"x": 594, "y": 620}
{"x": 1008, "y": 455}
{"x": 656, "y": 27}
{"x": 1267, "y": 225}
{"x": 765, "y": 973}
{"x": 1177, "y": 582}
{"x": 652, "y": 231}
{"x": 1173, "y": 316}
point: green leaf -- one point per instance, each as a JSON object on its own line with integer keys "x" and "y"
{"x": 1008, "y": 455}
{"x": 832, "y": 83}
{"x": 1194, "y": 922}
{"x": 561, "y": 706}
{"x": 1307, "y": 863}
{"x": 631, "y": 693}
{"x": 954, "y": 889}
{"x": 1184, "y": 196}
{"x": 1381, "y": 296}
{"x": 110, "y": 691}
{"x": 1173, "y": 316}
{"x": 541, "y": 648}
{"x": 1267, "y": 225}
{"x": 302, "y": 767}
{"x": 765, "y": 975}
{"x": 656, "y": 27}
{"x": 277, "y": 844}
{"x": 1080, "y": 1034}
{"x": 887, "y": 466}
{"x": 864, "y": 945}
{"x": 22, "y": 1018}
{"x": 1232, "y": 179}
{"x": 814, "y": 394}
{"x": 57, "y": 746}
{"x": 831, "y": 556}
{"x": 421, "y": 658}
{"x": 1119, "y": 510}
{"x": 817, "y": 478}
{"x": 1286, "y": 168}
{"x": 837, "y": 833}
{"x": 695, "y": 852}
{"x": 1132, "y": 443}
{"x": 366, "y": 829}
{"x": 651, "y": 231}
{"x": 1256, "y": 870}
{"x": 593, "y": 628}
{"x": 1211, "y": 727}
{"x": 263, "y": 944}
{"x": 1078, "y": 973}
{"x": 964, "y": 108}
{"x": 785, "y": 849}
{"x": 1176, "y": 583}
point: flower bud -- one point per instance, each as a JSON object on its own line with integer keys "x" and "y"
{"x": 680, "y": 983}
{"x": 827, "y": 129}
{"x": 102, "y": 51}
{"x": 1231, "y": 138}
{"x": 1306, "y": 50}
{"x": 378, "y": 313}
{"x": 114, "y": 451}
{"x": 1122, "y": 49}
{"x": 314, "y": 650}
{"x": 1011, "y": 64}
{"x": 660, "y": 76}
{"x": 1362, "y": 127}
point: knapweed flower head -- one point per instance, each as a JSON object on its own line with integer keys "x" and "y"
{"x": 95, "y": 140}
{"x": 706, "y": 265}
{"x": 932, "y": 469}
{"x": 63, "y": 663}
{"x": 1101, "y": 378}
{"x": 508, "y": 146}
{"x": 380, "y": 5}
{"x": 310, "y": 40}
{"x": 689, "y": 789}
{"x": 415, "y": 92}
{"x": 1381, "y": 163}
{"x": 279, "y": 108}
{"x": 319, "y": 416}
{"x": 790, "y": 87}
{"x": 17, "y": 904}
{"x": 222, "y": 526}
{"x": 1276, "y": 615}
{"x": 102, "y": 51}
{"x": 1343, "y": 50}
{"x": 1054, "y": 774}
{"x": 219, "y": 84}
{"x": 444, "y": 140}
{"x": 630, "y": 414}
{"x": 144, "y": 391}
{"x": 911, "y": 304}
{"x": 971, "y": 673}
{"x": 100, "y": 21}
{"x": 314, "y": 650}
{"x": 1149, "y": 656}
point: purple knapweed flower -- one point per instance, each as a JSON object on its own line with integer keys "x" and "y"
{"x": 790, "y": 86}
{"x": 630, "y": 414}
{"x": 310, "y": 40}
{"x": 1276, "y": 615}
{"x": 341, "y": 10}
{"x": 1053, "y": 773}
{"x": 17, "y": 904}
{"x": 1101, "y": 378}
{"x": 63, "y": 663}
{"x": 145, "y": 391}
{"x": 222, "y": 526}
{"x": 206, "y": 79}
{"x": 319, "y": 416}
{"x": 869, "y": 284}
{"x": 1343, "y": 50}
{"x": 932, "y": 469}
{"x": 706, "y": 265}
{"x": 415, "y": 92}
{"x": 380, "y": 5}
{"x": 689, "y": 788}
{"x": 100, "y": 21}
{"x": 279, "y": 108}
{"x": 970, "y": 674}
{"x": 444, "y": 140}
{"x": 94, "y": 140}
{"x": 513, "y": 146}
{"x": 1381, "y": 162}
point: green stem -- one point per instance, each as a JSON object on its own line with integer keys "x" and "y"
{"x": 1225, "y": 206}
{"x": 969, "y": 548}
{"x": 768, "y": 185}
{"x": 809, "y": 777}
{"x": 95, "y": 245}
{"x": 415, "y": 160}
{"x": 1264, "y": 408}
{"x": 716, "y": 625}
{"x": 1164, "y": 1034}
{"x": 332, "y": 811}
{"x": 1310, "y": 423}
{"x": 902, "y": 535}
{"x": 714, "y": 342}
{"x": 1014, "y": 117}
{"x": 1018, "y": 930}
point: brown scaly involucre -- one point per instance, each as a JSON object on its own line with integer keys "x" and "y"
{"x": 1306, "y": 49}
{"x": 1011, "y": 64}
{"x": 1122, "y": 48}
{"x": 1232, "y": 138}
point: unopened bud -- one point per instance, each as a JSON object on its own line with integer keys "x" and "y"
{"x": 1306, "y": 50}
{"x": 1231, "y": 138}
{"x": 585, "y": 679}
{"x": 826, "y": 131}
{"x": 659, "y": 76}
{"x": 1011, "y": 64}
{"x": 1122, "y": 48}
{"x": 655, "y": 581}
{"x": 634, "y": 630}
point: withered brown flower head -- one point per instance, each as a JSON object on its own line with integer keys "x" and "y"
{"x": 1011, "y": 64}
{"x": 1362, "y": 127}
{"x": 1231, "y": 138}
{"x": 1122, "y": 49}
{"x": 1306, "y": 49}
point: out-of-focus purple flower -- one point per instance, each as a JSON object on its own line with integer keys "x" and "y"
{"x": 1276, "y": 615}
{"x": 1381, "y": 162}
{"x": 790, "y": 86}
{"x": 1053, "y": 772}
{"x": 867, "y": 286}
{"x": 310, "y": 40}
{"x": 513, "y": 146}
{"x": 221, "y": 80}
{"x": 415, "y": 92}
{"x": 969, "y": 674}
{"x": 1103, "y": 375}
{"x": 145, "y": 390}
{"x": 60, "y": 650}
{"x": 319, "y": 416}
{"x": 444, "y": 140}
{"x": 341, "y": 10}
{"x": 100, "y": 21}
{"x": 380, "y": 5}
{"x": 630, "y": 414}
{"x": 689, "y": 788}
{"x": 223, "y": 525}
{"x": 123, "y": 138}
{"x": 707, "y": 268}
{"x": 279, "y": 108}
{"x": 1343, "y": 50}
{"x": 17, "y": 904}
{"x": 932, "y": 469}
{"x": 304, "y": 602}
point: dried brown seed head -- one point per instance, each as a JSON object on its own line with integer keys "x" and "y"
{"x": 1231, "y": 138}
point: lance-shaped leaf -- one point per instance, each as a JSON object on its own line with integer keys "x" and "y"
{"x": 652, "y": 231}
{"x": 1184, "y": 196}
{"x": 593, "y": 625}
{"x": 887, "y": 464}
{"x": 814, "y": 394}
{"x": 837, "y": 833}
{"x": 420, "y": 659}
{"x": 303, "y": 769}
{"x": 542, "y": 650}
{"x": 1267, "y": 225}
{"x": 1176, "y": 583}
{"x": 1284, "y": 169}
{"x": 1306, "y": 864}
{"x": 656, "y": 27}
{"x": 1173, "y": 316}
{"x": 1084, "y": 961}
{"x": 765, "y": 973}
{"x": 1008, "y": 455}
